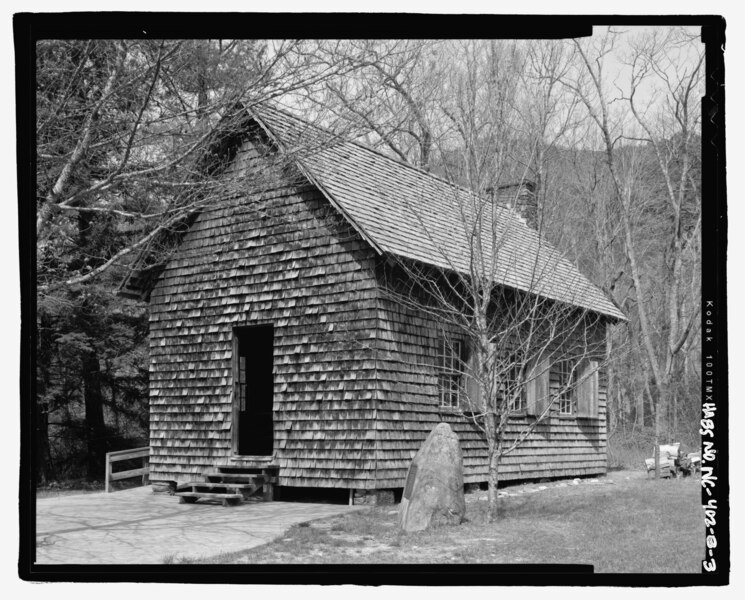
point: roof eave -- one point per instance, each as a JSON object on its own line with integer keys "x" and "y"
{"x": 616, "y": 317}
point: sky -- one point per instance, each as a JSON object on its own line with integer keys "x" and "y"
{"x": 675, "y": 64}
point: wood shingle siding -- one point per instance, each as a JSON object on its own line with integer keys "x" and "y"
{"x": 409, "y": 409}
{"x": 267, "y": 258}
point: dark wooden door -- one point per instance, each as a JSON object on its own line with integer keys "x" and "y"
{"x": 253, "y": 396}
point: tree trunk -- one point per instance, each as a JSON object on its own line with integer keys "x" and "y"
{"x": 42, "y": 442}
{"x": 613, "y": 407}
{"x": 656, "y": 456}
{"x": 494, "y": 448}
{"x": 663, "y": 400}
{"x": 425, "y": 148}
{"x": 43, "y": 459}
{"x": 493, "y": 507}
{"x": 660, "y": 430}
{"x": 639, "y": 400}
{"x": 202, "y": 78}
{"x": 652, "y": 403}
{"x": 95, "y": 432}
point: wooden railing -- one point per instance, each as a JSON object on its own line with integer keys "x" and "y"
{"x": 134, "y": 453}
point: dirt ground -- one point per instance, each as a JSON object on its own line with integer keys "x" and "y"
{"x": 568, "y": 521}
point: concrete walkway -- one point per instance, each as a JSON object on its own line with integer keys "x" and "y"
{"x": 140, "y": 527}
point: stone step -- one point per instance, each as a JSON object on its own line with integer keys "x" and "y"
{"x": 230, "y": 479}
{"x": 232, "y": 482}
{"x": 196, "y": 486}
{"x": 217, "y": 476}
{"x": 227, "y": 499}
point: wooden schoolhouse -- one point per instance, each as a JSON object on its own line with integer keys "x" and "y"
{"x": 274, "y": 346}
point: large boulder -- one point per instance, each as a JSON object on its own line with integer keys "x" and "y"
{"x": 434, "y": 483}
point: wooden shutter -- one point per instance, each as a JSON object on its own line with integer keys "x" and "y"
{"x": 473, "y": 389}
{"x": 537, "y": 387}
{"x": 587, "y": 389}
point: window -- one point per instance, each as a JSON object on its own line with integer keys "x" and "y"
{"x": 579, "y": 387}
{"x": 513, "y": 389}
{"x": 566, "y": 378}
{"x": 566, "y": 394}
{"x": 450, "y": 372}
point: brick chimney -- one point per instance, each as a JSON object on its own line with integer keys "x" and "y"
{"x": 521, "y": 197}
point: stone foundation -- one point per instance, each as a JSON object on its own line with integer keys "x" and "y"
{"x": 374, "y": 497}
{"x": 163, "y": 487}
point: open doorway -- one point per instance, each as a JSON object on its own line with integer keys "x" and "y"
{"x": 253, "y": 390}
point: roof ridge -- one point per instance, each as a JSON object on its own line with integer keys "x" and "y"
{"x": 374, "y": 150}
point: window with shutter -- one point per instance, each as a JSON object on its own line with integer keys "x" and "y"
{"x": 537, "y": 387}
{"x": 512, "y": 388}
{"x": 566, "y": 376}
{"x": 472, "y": 387}
{"x": 587, "y": 389}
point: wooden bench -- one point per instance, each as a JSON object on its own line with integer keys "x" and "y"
{"x": 665, "y": 466}
{"x": 694, "y": 459}
{"x": 135, "y": 453}
{"x": 672, "y": 464}
{"x": 668, "y": 456}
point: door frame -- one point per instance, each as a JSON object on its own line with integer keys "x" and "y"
{"x": 234, "y": 363}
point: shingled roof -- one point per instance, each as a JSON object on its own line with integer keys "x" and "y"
{"x": 410, "y": 213}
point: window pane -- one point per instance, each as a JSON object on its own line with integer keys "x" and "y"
{"x": 566, "y": 395}
{"x": 450, "y": 372}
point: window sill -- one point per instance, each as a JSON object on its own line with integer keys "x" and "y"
{"x": 578, "y": 417}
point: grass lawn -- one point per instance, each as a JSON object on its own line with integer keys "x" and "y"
{"x": 621, "y": 523}
{"x": 76, "y": 487}
{"x": 69, "y": 488}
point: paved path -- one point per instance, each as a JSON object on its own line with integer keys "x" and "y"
{"x": 137, "y": 526}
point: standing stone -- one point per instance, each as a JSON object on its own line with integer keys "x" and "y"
{"x": 434, "y": 483}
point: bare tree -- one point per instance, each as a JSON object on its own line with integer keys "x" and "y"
{"x": 390, "y": 97}
{"x": 133, "y": 138}
{"x": 133, "y": 132}
{"x": 657, "y": 118}
{"x": 502, "y": 112}
{"x": 502, "y": 333}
